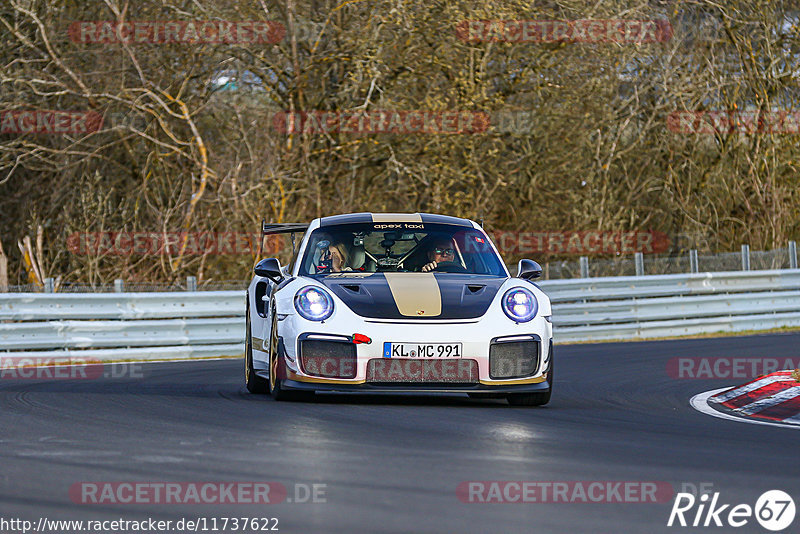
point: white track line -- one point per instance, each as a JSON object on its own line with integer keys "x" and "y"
{"x": 793, "y": 419}
{"x": 700, "y": 403}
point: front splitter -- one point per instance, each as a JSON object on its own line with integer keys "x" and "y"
{"x": 411, "y": 387}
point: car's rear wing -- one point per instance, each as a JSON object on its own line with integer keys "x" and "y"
{"x": 280, "y": 228}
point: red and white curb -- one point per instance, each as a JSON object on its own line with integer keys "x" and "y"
{"x": 772, "y": 400}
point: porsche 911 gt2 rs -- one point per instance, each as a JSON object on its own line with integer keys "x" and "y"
{"x": 397, "y": 302}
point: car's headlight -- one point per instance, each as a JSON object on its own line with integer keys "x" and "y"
{"x": 313, "y": 303}
{"x": 520, "y": 305}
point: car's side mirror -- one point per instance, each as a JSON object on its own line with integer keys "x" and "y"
{"x": 528, "y": 270}
{"x": 269, "y": 268}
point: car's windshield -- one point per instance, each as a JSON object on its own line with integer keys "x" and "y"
{"x": 399, "y": 247}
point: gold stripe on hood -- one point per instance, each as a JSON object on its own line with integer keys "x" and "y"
{"x": 415, "y": 294}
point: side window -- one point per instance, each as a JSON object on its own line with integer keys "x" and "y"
{"x": 478, "y": 254}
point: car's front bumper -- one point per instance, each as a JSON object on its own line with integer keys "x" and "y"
{"x": 476, "y": 338}
{"x": 292, "y": 380}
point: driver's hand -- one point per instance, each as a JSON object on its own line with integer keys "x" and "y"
{"x": 428, "y": 267}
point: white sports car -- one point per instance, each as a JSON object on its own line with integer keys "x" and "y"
{"x": 397, "y": 302}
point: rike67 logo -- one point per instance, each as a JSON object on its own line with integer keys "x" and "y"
{"x": 774, "y": 510}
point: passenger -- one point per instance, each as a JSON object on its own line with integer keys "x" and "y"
{"x": 333, "y": 258}
{"x": 340, "y": 258}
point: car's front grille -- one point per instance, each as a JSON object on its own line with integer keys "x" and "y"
{"x": 328, "y": 359}
{"x": 411, "y": 370}
{"x": 513, "y": 359}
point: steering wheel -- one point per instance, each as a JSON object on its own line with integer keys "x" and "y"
{"x": 449, "y": 267}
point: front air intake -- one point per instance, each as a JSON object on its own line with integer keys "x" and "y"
{"x": 513, "y": 359}
{"x": 328, "y": 359}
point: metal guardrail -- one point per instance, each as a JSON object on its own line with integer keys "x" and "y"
{"x": 122, "y": 326}
{"x": 178, "y": 352}
{"x": 203, "y": 324}
{"x": 676, "y": 308}
{"x": 91, "y": 334}
{"x": 167, "y": 305}
{"x": 632, "y": 307}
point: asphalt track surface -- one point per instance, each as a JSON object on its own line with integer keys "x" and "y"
{"x": 392, "y": 464}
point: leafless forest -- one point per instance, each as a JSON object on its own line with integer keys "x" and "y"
{"x": 578, "y": 134}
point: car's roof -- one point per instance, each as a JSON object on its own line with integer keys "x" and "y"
{"x": 367, "y": 217}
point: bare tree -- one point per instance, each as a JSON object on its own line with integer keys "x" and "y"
{"x": 578, "y": 139}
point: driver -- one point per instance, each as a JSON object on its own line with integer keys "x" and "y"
{"x": 443, "y": 251}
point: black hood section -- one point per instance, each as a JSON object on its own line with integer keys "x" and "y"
{"x": 463, "y": 296}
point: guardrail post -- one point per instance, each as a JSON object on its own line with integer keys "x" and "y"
{"x": 792, "y": 255}
{"x": 638, "y": 259}
{"x": 49, "y": 285}
{"x": 191, "y": 283}
{"x": 745, "y": 257}
{"x": 3, "y": 270}
{"x": 584, "y": 267}
{"x": 119, "y": 286}
{"x": 694, "y": 265}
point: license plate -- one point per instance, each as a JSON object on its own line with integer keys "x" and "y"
{"x": 422, "y": 350}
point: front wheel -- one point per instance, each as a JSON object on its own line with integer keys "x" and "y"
{"x": 539, "y": 398}
{"x": 274, "y": 382}
{"x": 254, "y": 383}
{"x": 276, "y": 370}
{"x": 529, "y": 399}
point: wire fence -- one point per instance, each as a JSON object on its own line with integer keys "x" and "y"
{"x": 670, "y": 264}
{"x": 584, "y": 267}
{"x": 139, "y": 287}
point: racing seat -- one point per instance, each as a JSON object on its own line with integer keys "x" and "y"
{"x": 314, "y": 261}
{"x": 359, "y": 261}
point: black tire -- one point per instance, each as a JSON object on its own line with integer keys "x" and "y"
{"x": 529, "y": 399}
{"x": 274, "y": 383}
{"x": 255, "y": 384}
{"x": 535, "y": 399}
